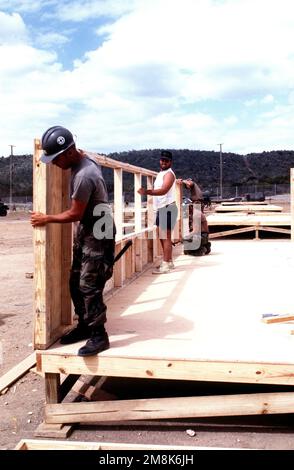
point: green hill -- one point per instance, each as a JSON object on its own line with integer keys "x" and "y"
{"x": 265, "y": 168}
{"x": 22, "y": 173}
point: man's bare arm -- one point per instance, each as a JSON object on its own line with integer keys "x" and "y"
{"x": 74, "y": 213}
{"x": 168, "y": 181}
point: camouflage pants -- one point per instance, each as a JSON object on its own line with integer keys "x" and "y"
{"x": 91, "y": 268}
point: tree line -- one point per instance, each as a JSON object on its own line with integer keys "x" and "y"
{"x": 203, "y": 166}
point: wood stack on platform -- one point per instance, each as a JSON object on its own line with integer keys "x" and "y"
{"x": 232, "y": 218}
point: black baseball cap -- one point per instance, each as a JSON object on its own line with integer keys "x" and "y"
{"x": 166, "y": 154}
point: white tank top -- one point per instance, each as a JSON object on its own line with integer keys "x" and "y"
{"x": 170, "y": 196}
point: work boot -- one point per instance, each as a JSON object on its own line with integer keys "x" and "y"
{"x": 77, "y": 334}
{"x": 200, "y": 252}
{"x": 98, "y": 342}
{"x": 187, "y": 252}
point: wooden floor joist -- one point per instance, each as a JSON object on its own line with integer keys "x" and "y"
{"x": 17, "y": 371}
{"x": 180, "y": 407}
{"x": 248, "y": 208}
{"x": 246, "y": 222}
{"x": 279, "y": 319}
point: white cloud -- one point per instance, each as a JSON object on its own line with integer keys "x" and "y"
{"x": 26, "y": 6}
{"x": 250, "y": 103}
{"x": 268, "y": 99}
{"x": 155, "y": 79}
{"x": 81, "y": 10}
{"x": 51, "y": 39}
{"x": 12, "y": 29}
{"x": 19, "y": 59}
{"x": 231, "y": 120}
{"x": 291, "y": 97}
{"x": 209, "y": 65}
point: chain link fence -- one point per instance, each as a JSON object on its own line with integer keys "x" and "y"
{"x": 248, "y": 192}
{"x": 18, "y": 203}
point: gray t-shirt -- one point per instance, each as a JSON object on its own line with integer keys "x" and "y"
{"x": 87, "y": 185}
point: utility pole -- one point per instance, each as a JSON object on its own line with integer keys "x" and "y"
{"x": 221, "y": 170}
{"x": 11, "y": 171}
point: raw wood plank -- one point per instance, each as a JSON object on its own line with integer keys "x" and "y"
{"x": 48, "y": 251}
{"x": 138, "y": 203}
{"x": 173, "y": 369}
{"x": 245, "y": 203}
{"x": 22, "y": 445}
{"x": 150, "y": 208}
{"x": 231, "y": 232}
{"x": 118, "y": 270}
{"x": 278, "y": 319}
{"x": 150, "y": 257}
{"x": 110, "y": 163}
{"x": 249, "y": 208}
{"x": 273, "y": 219}
{"x": 177, "y": 231}
{"x": 55, "y": 335}
{"x": 33, "y": 444}
{"x": 39, "y": 240}
{"x": 128, "y": 262}
{"x": 84, "y": 384}
{"x": 118, "y": 202}
{"x": 17, "y": 371}
{"x": 138, "y": 253}
{"x": 52, "y": 388}
{"x": 275, "y": 229}
{"x": 144, "y": 248}
{"x": 138, "y": 224}
{"x": 133, "y": 259}
{"x": 35, "y": 371}
{"x": 55, "y": 431}
{"x": 180, "y": 407}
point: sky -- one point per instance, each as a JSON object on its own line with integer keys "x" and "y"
{"x": 143, "y": 74}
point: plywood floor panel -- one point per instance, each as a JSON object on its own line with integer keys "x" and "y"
{"x": 208, "y": 309}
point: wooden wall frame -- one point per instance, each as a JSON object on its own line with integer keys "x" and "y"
{"x": 53, "y": 243}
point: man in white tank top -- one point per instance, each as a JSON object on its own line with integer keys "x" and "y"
{"x": 164, "y": 201}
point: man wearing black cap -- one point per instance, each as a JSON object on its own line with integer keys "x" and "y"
{"x": 164, "y": 192}
{"x": 93, "y": 253}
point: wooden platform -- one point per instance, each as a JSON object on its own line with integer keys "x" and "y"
{"x": 200, "y": 322}
{"x": 222, "y": 224}
{"x": 248, "y": 208}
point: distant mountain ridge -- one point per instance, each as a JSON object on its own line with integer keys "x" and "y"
{"x": 201, "y": 165}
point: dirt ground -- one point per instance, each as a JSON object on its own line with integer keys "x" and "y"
{"x": 22, "y": 405}
{"x": 16, "y": 293}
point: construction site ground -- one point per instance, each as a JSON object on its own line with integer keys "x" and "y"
{"x": 23, "y": 403}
